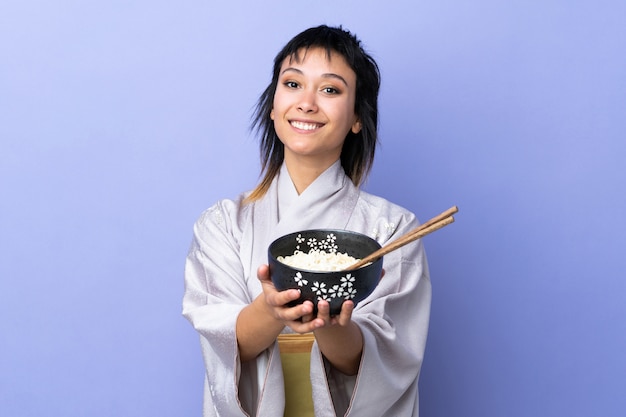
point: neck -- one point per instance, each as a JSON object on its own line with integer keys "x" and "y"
{"x": 303, "y": 172}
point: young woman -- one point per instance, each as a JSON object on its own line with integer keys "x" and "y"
{"x": 318, "y": 120}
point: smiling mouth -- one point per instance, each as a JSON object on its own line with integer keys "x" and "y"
{"x": 305, "y": 126}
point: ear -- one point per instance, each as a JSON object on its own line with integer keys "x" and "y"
{"x": 356, "y": 127}
{"x": 272, "y": 114}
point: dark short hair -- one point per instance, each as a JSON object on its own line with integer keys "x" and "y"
{"x": 358, "y": 150}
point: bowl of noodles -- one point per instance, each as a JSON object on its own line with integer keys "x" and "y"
{"x": 315, "y": 262}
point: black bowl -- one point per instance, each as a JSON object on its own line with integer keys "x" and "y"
{"x": 333, "y": 286}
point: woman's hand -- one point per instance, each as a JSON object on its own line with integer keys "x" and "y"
{"x": 299, "y": 317}
{"x": 340, "y": 339}
{"x": 260, "y": 322}
{"x": 324, "y": 317}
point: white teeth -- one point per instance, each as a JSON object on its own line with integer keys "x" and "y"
{"x": 304, "y": 126}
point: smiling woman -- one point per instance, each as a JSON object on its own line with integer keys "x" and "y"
{"x": 357, "y": 154}
{"x": 318, "y": 120}
{"x": 314, "y": 111}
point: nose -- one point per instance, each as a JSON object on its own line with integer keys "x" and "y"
{"x": 308, "y": 103}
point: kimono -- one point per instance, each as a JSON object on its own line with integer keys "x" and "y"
{"x": 229, "y": 243}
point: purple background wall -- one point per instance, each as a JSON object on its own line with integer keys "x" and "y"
{"x": 121, "y": 121}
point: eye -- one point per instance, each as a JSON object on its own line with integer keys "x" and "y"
{"x": 291, "y": 84}
{"x": 330, "y": 90}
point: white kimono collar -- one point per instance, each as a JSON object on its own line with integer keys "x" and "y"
{"x": 326, "y": 204}
{"x": 328, "y": 183}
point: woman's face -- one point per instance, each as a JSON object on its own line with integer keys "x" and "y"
{"x": 313, "y": 107}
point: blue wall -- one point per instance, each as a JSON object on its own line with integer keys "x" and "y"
{"x": 121, "y": 121}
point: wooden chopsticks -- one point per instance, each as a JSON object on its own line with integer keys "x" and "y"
{"x": 422, "y": 230}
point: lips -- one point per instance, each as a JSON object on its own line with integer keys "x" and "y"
{"x": 305, "y": 125}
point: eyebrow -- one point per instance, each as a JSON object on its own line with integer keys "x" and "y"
{"x": 326, "y": 75}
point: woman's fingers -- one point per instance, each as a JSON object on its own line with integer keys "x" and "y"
{"x": 345, "y": 316}
{"x": 274, "y": 297}
{"x": 301, "y": 318}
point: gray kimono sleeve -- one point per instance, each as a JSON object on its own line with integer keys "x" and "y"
{"x": 215, "y": 293}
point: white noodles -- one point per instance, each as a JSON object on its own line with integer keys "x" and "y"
{"x": 317, "y": 260}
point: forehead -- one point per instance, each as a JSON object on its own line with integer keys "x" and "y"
{"x": 318, "y": 56}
